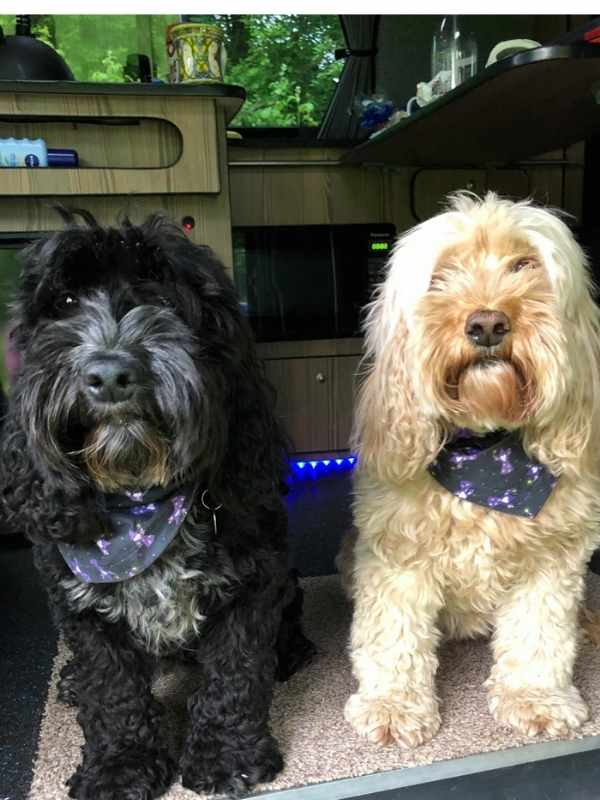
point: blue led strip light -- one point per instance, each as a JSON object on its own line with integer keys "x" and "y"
{"x": 309, "y": 470}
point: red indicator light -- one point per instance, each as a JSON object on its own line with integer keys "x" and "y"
{"x": 188, "y": 223}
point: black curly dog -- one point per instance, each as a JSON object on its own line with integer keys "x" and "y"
{"x": 138, "y": 371}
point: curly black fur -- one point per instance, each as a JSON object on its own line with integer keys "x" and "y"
{"x": 203, "y": 412}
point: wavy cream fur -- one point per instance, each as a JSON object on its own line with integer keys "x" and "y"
{"x": 423, "y": 563}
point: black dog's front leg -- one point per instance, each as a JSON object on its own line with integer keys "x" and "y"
{"x": 124, "y": 756}
{"x": 230, "y": 747}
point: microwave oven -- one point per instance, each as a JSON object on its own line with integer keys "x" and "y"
{"x": 308, "y": 281}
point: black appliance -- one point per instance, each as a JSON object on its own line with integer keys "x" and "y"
{"x": 308, "y": 281}
{"x": 24, "y": 58}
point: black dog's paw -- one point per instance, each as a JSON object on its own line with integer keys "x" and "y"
{"x": 67, "y": 692}
{"x": 67, "y": 695}
{"x": 232, "y": 772}
{"x": 298, "y": 655}
{"x": 294, "y": 650}
{"x": 133, "y": 775}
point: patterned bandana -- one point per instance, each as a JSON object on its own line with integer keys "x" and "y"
{"x": 143, "y": 525}
{"x": 493, "y": 471}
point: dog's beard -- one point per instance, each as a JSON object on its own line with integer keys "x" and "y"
{"x": 491, "y": 393}
{"x": 127, "y": 454}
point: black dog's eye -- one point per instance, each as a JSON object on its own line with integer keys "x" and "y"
{"x": 523, "y": 263}
{"x": 66, "y": 302}
{"x": 166, "y": 302}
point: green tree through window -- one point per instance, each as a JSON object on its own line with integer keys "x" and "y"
{"x": 286, "y": 63}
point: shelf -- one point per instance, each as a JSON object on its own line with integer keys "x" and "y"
{"x": 180, "y": 127}
{"x": 227, "y": 96}
{"x": 520, "y": 107}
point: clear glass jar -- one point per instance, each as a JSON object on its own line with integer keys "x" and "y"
{"x": 453, "y": 56}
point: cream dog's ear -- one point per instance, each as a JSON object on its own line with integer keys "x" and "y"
{"x": 393, "y": 434}
{"x": 565, "y": 433}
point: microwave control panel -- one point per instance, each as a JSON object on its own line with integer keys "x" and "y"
{"x": 379, "y": 246}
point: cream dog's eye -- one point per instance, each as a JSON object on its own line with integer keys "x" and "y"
{"x": 439, "y": 281}
{"x": 523, "y": 263}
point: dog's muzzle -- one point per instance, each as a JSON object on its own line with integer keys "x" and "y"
{"x": 110, "y": 379}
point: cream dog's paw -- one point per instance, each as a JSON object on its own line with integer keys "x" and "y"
{"x": 534, "y": 711}
{"x": 405, "y": 718}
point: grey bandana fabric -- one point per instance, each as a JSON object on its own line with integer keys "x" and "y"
{"x": 494, "y": 471}
{"x": 143, "y": 525}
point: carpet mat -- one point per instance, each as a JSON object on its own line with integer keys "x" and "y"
{"x": 307, "y": 717}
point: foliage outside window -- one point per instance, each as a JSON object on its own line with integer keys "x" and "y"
{"x": 285, "y": 62}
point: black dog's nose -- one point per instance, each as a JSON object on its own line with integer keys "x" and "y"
{"x": 110, "y": 380}
{"x": 487, "y": 328}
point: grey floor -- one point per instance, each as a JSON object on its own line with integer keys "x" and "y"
{"x": 319, "y": 514}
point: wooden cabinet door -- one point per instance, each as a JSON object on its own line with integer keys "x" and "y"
{"x": 343, "y": 389}
{"x": 304, "y": 400}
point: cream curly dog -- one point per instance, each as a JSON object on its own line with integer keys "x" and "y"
{"x": 485, "y": 322}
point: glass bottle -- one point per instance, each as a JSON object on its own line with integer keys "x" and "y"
{"x": 453, "y": 56}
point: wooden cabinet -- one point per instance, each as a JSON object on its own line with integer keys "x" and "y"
{"x": 142, "y": 148}
{"x": 315, "y": 400}
{"x": 303, "y": 387}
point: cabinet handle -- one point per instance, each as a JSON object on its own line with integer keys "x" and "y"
{"x": 320, "y": 377}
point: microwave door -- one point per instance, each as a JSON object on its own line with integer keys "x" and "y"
{"x": 336, "y": 285}
{"x": 278, "y": 298}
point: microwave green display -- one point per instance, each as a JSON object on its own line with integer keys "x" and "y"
{"x": 379, "y": 247}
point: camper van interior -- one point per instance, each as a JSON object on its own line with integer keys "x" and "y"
{"x": 298, "y": 158}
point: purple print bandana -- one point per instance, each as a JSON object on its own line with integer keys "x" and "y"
{"x": 493, "y": 471}
{"x": 143, "y": 525}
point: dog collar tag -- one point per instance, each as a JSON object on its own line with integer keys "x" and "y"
{"x": 494, "y": 471}
{"x": 213, "y": 510}
{"x": 143, "y": 523}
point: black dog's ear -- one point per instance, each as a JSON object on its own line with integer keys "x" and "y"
{"x": 256, "y": 456}
{"x": 255, "y": 463}
{"x": 17, "y": 474}
{"x": 40, "y": 507}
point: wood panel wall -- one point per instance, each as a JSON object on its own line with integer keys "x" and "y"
{"x": 321, "y": 191}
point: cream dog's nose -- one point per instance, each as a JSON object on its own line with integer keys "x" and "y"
{"x": 486, "y": 328}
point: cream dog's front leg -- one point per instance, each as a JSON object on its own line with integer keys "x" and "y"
{"x": 393, "y": 650}
{"x": 535, "y": 644}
